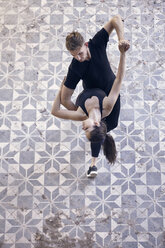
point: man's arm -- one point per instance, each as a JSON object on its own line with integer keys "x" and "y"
{"x": 66, "y": 94}
{"x": 117, "y": 24}
{"x": 77, "y": 115}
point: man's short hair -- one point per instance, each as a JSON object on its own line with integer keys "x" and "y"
{"x": 74, "y": 40}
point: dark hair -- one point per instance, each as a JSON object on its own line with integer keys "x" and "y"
{"x": 109, "y": 148}
{"x": 74, "y": 40}
{"x": 99, "y": 134}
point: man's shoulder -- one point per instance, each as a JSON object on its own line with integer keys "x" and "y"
{"x": 101, "y": 37}
{"x": 77, "y": 66}
{"x": 76, "y": 71}
{"x": 74, "y": 63}
{"x": 101, "y": 31}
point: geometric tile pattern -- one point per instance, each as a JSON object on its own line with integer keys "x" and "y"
{"x": 46, "y": 199}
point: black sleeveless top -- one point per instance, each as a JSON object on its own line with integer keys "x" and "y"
{"x": 88, "y": 93}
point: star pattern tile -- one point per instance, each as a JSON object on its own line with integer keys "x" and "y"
{"x": 46, "y": 200}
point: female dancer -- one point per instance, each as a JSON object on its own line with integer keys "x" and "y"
{"x": 93, "y": 107}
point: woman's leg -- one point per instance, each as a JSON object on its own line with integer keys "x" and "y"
{"x": 95, "y": 149}
{"x": 93, "y": 162}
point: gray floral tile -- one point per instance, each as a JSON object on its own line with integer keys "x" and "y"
{"x": 46, "y": 200}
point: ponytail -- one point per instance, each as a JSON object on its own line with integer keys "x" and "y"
{"x": 99, "y": 134}
{"x": 109, "y": 149}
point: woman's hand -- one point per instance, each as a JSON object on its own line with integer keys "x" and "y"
{"x": 123, "y": 46}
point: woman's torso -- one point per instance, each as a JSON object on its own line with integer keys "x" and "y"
{"x": 88, "y": 94}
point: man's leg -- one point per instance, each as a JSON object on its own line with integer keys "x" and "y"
{"x": 112, "y": 119}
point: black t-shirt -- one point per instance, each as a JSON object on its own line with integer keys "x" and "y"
{"x": 88, "y": 93}
{"x": 95, "y": 73}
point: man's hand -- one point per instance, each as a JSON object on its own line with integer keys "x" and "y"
{"x": 123, "y": 46}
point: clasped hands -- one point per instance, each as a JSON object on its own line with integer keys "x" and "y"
{"x": 123, "y": 46}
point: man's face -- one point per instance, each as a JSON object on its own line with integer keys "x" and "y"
{"x": 81, "y": 53}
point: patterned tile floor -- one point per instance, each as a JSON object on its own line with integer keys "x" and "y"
{"x": 45, "y": 198}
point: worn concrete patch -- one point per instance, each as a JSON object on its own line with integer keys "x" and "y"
{"x": 52, "y": 237}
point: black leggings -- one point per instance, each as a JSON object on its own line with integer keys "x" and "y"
{"x": 111, "y": 122}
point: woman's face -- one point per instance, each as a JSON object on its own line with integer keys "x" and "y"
{"x": 88, "y": 126}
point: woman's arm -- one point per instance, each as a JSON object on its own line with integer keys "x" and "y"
{"x": 77, "y": 115}
{"x": 110, "y": 100}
